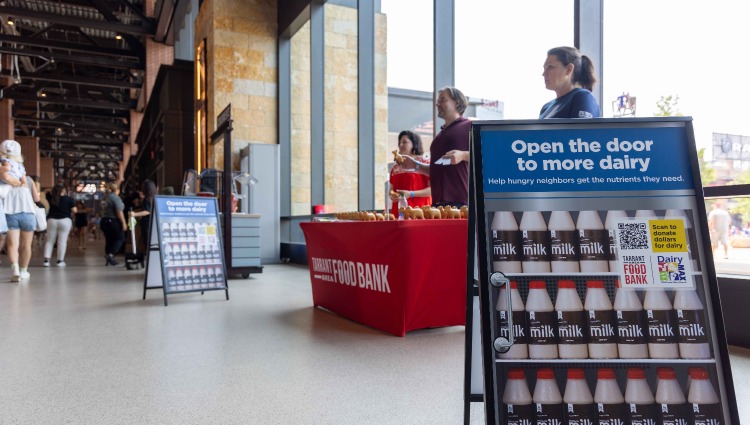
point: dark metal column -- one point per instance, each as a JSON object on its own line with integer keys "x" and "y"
{"x": 317, "y": 103}
{"x": 444, "y": 50}
{"x": 285, "y": 125}
{"x": 366, "y": 92}
{"x": 588, "y": 38}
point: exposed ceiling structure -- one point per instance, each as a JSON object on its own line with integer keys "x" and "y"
{"x": 74, "y": 69}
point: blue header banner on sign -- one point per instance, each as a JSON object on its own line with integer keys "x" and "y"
{"x": 585, "y": 159}
{"x": 186, "y": 207}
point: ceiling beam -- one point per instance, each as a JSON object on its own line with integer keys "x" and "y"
{"x": 147, "y": 28}
{"x": 72, "y": 79}
{"x": 127, "y": 105}
{"x": 46, "y": 43}
{"x": 109, "y": 15}
{"x": 21, "y": 109}
{"x": 79, "y": 59}
{"x": 75, "y": 125}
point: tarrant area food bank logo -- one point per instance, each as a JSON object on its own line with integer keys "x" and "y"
{"x": 671, "y": 269}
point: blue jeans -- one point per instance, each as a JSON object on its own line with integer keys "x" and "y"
{"x": 26, "y": 222}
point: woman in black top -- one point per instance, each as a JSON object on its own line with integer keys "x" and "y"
{"x": 59, "y": 223}
{"x": 147, "y": 193}
{"x": 81, "y": 224}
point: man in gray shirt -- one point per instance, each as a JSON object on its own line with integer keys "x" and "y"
{"x": 718, "y": 223}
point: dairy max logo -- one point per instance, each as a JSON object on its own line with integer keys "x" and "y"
{"x": 671, "y": 269}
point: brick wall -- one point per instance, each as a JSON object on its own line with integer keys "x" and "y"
{"x": 30, "y": 151}
{"x": 46, "y": 173}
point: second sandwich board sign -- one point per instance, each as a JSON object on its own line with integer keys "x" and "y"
{"x": 597, "y": 297}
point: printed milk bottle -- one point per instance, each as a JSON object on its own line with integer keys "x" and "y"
{"x": 542, "y": 322}
{"x": 639, "y": 398}
{"x": 571, "y": 322}
{"x": 601, "y": 322}
{"x": 506, "y": 243}
{"x": 547, "y": 398}
{"x": 631, "y": 325}
{"x": 645, "y": 214}
{"x": 609, "y": 224}
{"x": 535, "y": 240}
{"x": 593, "y": 242}
{"x": 704, "y": 403}
{"x": 579, "y": 404}
{"x": 519, "y": 349}
{"x": 519, "y": 407}
{"x": 563, "y": 243}
{"x": 692, "y": 339}
{"x": 671, "y": 400}
{"x": 610, "y": 405}
{"x": 662, "y": 341}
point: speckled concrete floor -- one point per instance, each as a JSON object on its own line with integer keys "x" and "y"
{"x": 79, "y": 346}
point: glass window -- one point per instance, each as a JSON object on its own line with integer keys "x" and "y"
{"x": 652, "y": 52}
{"x": 501, "y": 46}
{"x": 409, "y": 69}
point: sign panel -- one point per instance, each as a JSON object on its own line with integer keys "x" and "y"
{"x": 189, "y": 245}
{"x": 599, "y": 227}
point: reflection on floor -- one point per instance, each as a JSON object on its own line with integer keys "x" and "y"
{"x": 80, "y": 346}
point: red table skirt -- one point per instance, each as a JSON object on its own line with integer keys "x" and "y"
{"x": 395, "y": 276}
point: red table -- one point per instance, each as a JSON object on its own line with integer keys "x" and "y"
{"x": 395, "y": 276}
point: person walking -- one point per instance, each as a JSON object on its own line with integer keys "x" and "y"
{"x": 718, "y": 223}
{"x": 59, "y": 223}
{"x": 147, "y": 194}
{"x": 81, "y": 224}
{"x": 112, "y": 223}
{"x": 19, "y": 211}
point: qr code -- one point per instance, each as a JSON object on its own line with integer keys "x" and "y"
{"x": 632, "y": 235}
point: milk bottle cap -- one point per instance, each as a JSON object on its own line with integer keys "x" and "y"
{"x": 594, "y": 284}
{"x": 576, "y": 374}
{"x": 606, "y": 373}
{"x": 665, "y": 373}
{"x": 545, "y": 373}
{"x": 516, "y": 373}
{"x": 566, "y": 284}
{"x": 636, "y": 373}
{"x": 538, "y": 284}
{"x": 698, "y": 373}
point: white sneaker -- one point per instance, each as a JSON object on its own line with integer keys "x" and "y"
{"x": 61, "y": 264}
{"x": 25, "y": 275}
{"x": 46, "y": 262}
{"x": 15, "y": 273}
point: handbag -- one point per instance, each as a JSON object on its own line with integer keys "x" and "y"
{"x": 39, "y": 213}
{"x": 41, "y": 218}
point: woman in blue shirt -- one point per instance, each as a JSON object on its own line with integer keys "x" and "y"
{"x": 571, "y": 76}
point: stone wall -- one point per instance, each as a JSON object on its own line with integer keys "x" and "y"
{"x": 241, "y": 42}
